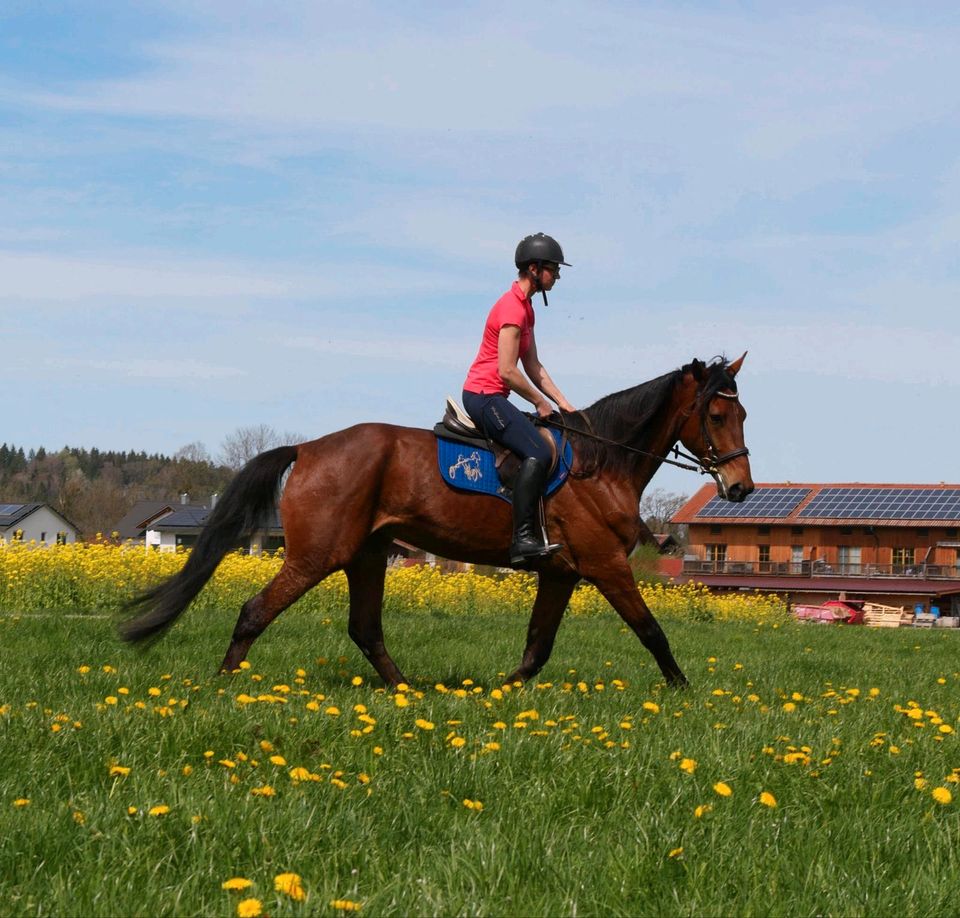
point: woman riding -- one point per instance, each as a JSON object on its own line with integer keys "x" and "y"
{"x": 508, "y": 338}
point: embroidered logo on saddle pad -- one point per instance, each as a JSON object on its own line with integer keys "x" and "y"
{"x": 472, "y": 468}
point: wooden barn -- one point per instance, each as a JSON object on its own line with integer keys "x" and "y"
{"x": 887, "y": 543}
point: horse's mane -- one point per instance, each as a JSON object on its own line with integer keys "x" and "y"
{"x": 634, "y": 416}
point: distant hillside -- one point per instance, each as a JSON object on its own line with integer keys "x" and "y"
{"x": 95, "y": 488}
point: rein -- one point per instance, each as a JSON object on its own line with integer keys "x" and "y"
{"x": 707, "y": 465}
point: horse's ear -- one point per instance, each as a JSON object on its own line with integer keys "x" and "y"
{"x": 699, "y": 370}
{"x": 734, "y": 367}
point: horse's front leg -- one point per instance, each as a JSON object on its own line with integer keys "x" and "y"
{"x": 553, "y": 594}
{"x": 620, "y": 590}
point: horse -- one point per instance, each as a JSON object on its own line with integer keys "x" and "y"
{"x": 352, "y": 492}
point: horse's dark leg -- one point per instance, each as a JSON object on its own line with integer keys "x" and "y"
{"x": 365, "y": 576}
{"x": 553, "y": 594}
{"x": 620, "y": 590}
{"x": 284, "y": 590}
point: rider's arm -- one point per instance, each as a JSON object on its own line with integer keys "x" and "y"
{"x": 508, "y": 353}
{"x": 541, "y": 378}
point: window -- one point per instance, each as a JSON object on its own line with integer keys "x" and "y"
{"x": 902, "y": 560}
{"x": 43, "y": 537}
{"x": 763, "y": 530}
{"x": 715, "y": 529}
{"x": 848, "y": 558}
{"x": 796, "y": 530}
{"x": 272, "y": 543}
{"x": 187, "y": 540}
{"x": 763, "y": 556}
{"x": 62, "y": 537}
{"x": 717, "y": 556}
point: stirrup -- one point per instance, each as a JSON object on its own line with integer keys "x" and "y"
{"x": 520, "y": 558}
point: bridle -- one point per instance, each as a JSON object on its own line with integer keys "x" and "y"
{"x": 709, "y": 464}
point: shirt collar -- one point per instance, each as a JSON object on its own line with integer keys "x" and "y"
{"x": 518, "y": 293}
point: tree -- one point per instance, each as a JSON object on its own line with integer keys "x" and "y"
{"x": 243, "y": 444}
{"x": 657, "y": 507}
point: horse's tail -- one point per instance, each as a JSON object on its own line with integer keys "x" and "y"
{"x": 243, "y": 509}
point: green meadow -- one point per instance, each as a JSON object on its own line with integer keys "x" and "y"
{"x": 808, "y": 770}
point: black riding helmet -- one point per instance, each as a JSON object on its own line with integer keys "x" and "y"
{"x": 539, "y": 247}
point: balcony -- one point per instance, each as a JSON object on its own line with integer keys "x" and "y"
{"x": 819, "y": 568}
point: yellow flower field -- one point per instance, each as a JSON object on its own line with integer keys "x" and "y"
{"x": 101, "y": 577}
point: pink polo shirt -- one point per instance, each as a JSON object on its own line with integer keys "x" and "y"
{"x": 513, "y": 308}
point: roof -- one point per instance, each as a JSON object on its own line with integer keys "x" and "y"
{"x": 16, "y": 513}
{"x": 11, "y": 514}
{"x": 829, "y": 504}
{"x": 186, "y": 518}
{"x": 886, "y": 585}
{"x": 133, "y": 524}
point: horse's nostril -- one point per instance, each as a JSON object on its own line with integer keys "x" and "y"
{"x": 737, "y": 493}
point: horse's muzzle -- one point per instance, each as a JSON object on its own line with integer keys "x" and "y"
{"x": 738, "y": 492}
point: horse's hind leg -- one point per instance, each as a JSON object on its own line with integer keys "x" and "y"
{"x": 284, "y": 590}
{"x": 553, "y": 594}
{"x": 365, "y": 576}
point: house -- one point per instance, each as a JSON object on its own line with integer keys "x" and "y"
{"x": 166, "y": 525}
{"x": 182, "y": 528}
{"x": 896, "y": 544}
{"x": 35, "y": 523}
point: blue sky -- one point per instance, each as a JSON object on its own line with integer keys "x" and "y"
{"x": 298, "y": 214}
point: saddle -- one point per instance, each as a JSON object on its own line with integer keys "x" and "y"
{"x": 457, "y": 425}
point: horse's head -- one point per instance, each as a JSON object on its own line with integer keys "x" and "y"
{"x": 713, "y": 429}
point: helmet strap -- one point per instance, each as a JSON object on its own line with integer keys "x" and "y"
{"x": 539, "y": 286}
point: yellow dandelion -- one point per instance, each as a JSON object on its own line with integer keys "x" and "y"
{"x": 652, "y": 707}
{"x": 357, "y": 680}
{"x": 277, "y": 760}
{"x": 767, "y": 799}
{"x": 723, "y": 789}
{"x": 265, "y": 791}
{"x": 21, "y": 802}
{"x": 290, "y": 885}
{"x": 942, "y": 795}
{"x": 160, "y": 810}
{"x": 236, "y": 883}
{"x": 119, "y": 771}
{"x": 423, "y": 724}
{"x": 458, "y": 742}
{"x": 675, "y": 852}
{"x": 702, "y": 810}
{"x": 249, "y": 908}
{"x": 688, "y": 765}
{"x": 345, "y": 905}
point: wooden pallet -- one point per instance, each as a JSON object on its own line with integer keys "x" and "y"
{"x": 877, "y": 615}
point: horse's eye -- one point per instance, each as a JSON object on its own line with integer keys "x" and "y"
{"x": 716, "y": 419}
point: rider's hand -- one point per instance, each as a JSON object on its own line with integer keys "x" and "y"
{"x": 544, "y": 408}
{"x": 566, "y": 406}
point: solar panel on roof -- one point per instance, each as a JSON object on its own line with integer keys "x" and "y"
{"x": 772, "y": 503}
{"x": 10, "y": 509}
{"x": 885, "y": 503}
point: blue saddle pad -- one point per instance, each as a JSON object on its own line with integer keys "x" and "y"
{"x": 469, "y": 468}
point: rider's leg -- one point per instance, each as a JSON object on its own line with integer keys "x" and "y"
{"x": 506, "y": 424}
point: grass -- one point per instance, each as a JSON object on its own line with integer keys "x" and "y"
{"x": 584, "y": 807}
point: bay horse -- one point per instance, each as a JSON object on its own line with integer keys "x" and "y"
{"x": 351, "y": 493}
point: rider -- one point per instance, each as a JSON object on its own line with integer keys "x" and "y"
{"x": 508, "y": 337}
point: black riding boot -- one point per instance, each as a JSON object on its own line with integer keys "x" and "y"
{"x": 528, "y": 544}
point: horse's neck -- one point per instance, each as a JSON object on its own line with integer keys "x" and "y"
{"x": 674, "y": 414}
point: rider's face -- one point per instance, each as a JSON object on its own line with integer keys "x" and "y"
{"x": 549, "y": 274}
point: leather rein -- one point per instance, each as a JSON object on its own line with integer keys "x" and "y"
{"x": 708, "y": 465}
